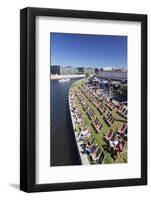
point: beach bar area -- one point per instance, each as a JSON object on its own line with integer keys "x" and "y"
{"x": 99, "y": 123}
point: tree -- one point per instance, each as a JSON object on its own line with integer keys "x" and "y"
{"x": 86, "y": 74}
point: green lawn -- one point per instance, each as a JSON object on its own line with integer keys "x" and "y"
{"x": 99, "y": 138}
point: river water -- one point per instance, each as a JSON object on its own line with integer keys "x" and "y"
{"x": 63, "y": 145}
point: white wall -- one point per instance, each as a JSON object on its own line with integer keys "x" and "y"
{"x": 9, "y": 98}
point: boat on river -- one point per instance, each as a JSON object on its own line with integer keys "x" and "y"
{"x": 63, "y": 80}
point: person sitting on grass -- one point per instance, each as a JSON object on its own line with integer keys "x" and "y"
{"x": 83, "y": 134}
{"x": 89, "y": 148}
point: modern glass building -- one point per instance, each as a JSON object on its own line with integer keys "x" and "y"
{"x": 55, "y": 69}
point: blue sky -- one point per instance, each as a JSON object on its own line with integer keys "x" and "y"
{"x": 83, "y": 50}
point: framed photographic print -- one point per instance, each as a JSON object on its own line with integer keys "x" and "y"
{"x": 83, "y": 99}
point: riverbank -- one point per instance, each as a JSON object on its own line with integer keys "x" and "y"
{"x": 104, "y": 121}
{"x": 83, "y": 157}
{"x": 57, "y": 77}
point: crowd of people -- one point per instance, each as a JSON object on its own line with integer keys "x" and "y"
{"x": 114, "y": 140}
{"x": 83, "y": 135}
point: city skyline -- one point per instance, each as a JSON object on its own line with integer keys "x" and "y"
{"x": 85, "y": 50}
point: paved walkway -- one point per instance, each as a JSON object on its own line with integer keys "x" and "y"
{"x": 84, "y": 157}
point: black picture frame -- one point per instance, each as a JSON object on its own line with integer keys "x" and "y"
{"x": 28, "y": 98}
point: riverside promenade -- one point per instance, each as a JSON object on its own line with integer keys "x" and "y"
{"x": 83, "y": 157}
{"x": 102, "y": 123}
